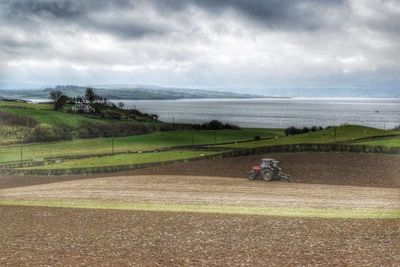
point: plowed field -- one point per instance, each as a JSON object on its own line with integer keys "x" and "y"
{"x": 38, "y": 236}
{"x": 319, "y": 168}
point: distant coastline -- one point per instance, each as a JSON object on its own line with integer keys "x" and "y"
{"x": 138, "y": 93}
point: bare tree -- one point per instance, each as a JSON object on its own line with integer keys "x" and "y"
{"x": 59, "y": 99}
{"x": 90, "y": 95}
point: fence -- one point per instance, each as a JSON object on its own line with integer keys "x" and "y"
{"x": 233, "y": 153}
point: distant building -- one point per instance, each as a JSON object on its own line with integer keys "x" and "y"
{"x": 82, "y": 108}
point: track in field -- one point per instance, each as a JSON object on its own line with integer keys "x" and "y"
{"x": 211, "y": 191}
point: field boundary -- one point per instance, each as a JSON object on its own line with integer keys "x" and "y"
{"x": 106, "y": 169}
{"x": 330, "y": 147}
{"x": 327, "y": 213}
{"x": 281, "y": 148}
{"x": 294, "y": 148}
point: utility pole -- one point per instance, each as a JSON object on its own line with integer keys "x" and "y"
{"x": 21, "y": 152}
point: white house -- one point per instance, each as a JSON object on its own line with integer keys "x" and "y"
{"x": 83, "y": 108}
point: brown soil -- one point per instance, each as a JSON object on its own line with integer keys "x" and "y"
{"x": 212, "y": 190}
{"x": 317, "y": 168}
{"x": 323, "y": 168}
{"x": 70, "y": 237}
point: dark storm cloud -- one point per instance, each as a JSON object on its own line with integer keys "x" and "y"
{"x": 56, "y": 9}
{"x": 288, "y": 14}
{"x": 59, "y": 9}
{"x": 202, "y": 40}
{"x": 35, "y": 13}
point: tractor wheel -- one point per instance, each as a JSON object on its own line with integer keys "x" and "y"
{"x": 267, "y": 175}
{"x": 252, "y": 175}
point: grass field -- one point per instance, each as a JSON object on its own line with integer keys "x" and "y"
{"x": 389, "y": 142}
{"x": 125, "y": 159}
{"x": 130, "y": 143}
{"x": 13, "y": 104}
{"x": 345, "y": 133}
{"x": 51, "y": 117}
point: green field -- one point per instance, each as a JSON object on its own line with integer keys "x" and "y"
{"x": 389, "y": 142}
{"x": 152, "y": 141}
{"x": 53, "y": 118}
{"x": 347, "y": 133}
{"x": 125, "y": 159}
{"x": 13, "y": 104}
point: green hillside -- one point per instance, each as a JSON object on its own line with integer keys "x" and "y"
{"x": 125, "y": 159}
{"x": 51, "y": 117}
{"x": 347, "y": 133}
{"x": 389, "y": 142}
{"x": 152, "y": 141}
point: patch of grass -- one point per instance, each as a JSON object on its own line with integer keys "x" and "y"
{"x": 152, "y": 141}
{"x": 15, "y": 104}
{"x": 347, "y": 133}
{"x": 389, "y": 142}
{"x": 222, "y": 209}
{"x": 11, "y": 133}
{"x": 125, "y": 159}
{"x": 53, "y": 118}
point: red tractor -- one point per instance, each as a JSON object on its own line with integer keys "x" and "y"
{"x": 268, "y": 170}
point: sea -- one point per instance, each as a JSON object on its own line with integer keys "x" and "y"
{"x": 383, "y": 113}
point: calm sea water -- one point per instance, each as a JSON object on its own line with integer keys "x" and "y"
{"x": 381, "y": 113}
{"x": 277, "y": 112}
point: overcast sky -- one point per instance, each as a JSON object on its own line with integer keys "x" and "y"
{"x": 230, "y": 44}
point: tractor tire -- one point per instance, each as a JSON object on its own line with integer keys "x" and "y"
{"x": 266, "y": 175}
{"x": 252, "y": 175}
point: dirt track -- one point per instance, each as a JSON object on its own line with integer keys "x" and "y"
{"x": 59, "y": 237}
{"x": 321, "y": 168}
{"x": 212, "y": 190}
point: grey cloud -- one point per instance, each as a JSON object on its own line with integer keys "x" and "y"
{"x": 288, "y": 14}
{"x": 58, "y": 9}
{"x": 34, "y": 14}
{"x": 126, "y": 29}
{"x": 273, "y": 13}
{"x": 198, "y": 37}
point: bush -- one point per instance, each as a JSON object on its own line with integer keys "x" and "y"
{"x": 293, "y": 130}
{"x": 215, "y": 125}
{"x": 115, "y": 129}
{"x": 45, "y": 133}
{"x": 41, "y": 133}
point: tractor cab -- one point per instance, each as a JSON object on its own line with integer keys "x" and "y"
{"x": 269, "y": 163}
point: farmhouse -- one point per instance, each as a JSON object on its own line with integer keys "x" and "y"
{"x": 83, "y": 108}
